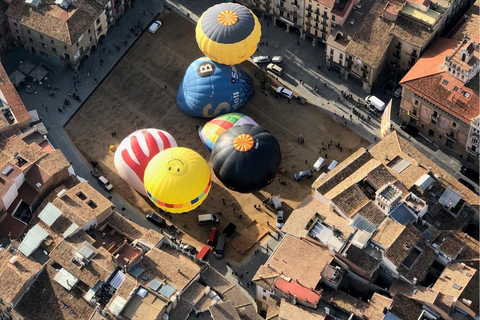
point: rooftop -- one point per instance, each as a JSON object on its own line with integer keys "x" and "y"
{"x": 376, "y": 306}
{"x": 13, "y": 276}
{"x": 454, "y": 278}
{"x": 429, "y": 17}
{"x": 344, "y": 301}
{"x": 53, "y": 21}
{"x": 405, "y": 308}
{"x": 470, "y": 26}
{"x": 297, "y": 312}
{"x": 372, "y": 213}
{"x": 294, "y": 288}
{"x": 388, "y": 232}
{"x": 47, "y": 300}
{"x": 471, "y": 290}
{"x": 403, "y": 245}
{"x": 362, "y": 259}
{"x": 124, "y": 226}
{"x": 224, "y": 311}
{"x": 13, "y": 100}
{"x": 293, "y": 256}
{"x": 430, "y": 80}
{"x": 416, "y": 267}
{"x": 350, "y": 200}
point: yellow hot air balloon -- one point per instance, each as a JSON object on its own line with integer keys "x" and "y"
{"x": 177, "y": 180}
{"x": 228, "y": 33}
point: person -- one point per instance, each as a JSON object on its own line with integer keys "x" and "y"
{"x": 223, "y": 201}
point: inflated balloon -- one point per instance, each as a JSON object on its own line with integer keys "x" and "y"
{"x": 246, "y": 158}
{"x": 136, "y": 150}
{"x": 177, "y": 180}
{"x": 210, "y": 132}
{"x": 209, "y": 89}
{"x": 228, "y": 33}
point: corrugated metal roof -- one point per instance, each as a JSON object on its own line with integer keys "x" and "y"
{"x": 400, "y": 166}
{"x": 117, "y": 279}
{"x": 50, "y": 214}
{"x": 66, "y": 279}
{"x": 424, "y": 182}
{"x": 32, "y": 240}
{"x": 403, "y": 215}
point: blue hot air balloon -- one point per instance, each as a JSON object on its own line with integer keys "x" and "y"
{"x": 209, "y": 89}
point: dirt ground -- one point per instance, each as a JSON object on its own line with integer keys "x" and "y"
{"x": 133, "y": 96}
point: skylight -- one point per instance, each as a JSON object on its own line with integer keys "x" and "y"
{"x": 445, "y": 82}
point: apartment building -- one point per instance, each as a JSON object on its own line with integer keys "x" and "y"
{"x": 5, "y": 34}
{"x": 62, "y": 31}
{"x": 440, "y": 96}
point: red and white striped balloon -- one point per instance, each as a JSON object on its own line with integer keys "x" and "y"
{"x": 136, "y": 150}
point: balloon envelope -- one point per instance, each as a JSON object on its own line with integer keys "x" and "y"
{"x": 209, "y": 89}
{"x": 246, "y": 158}
{"x": 228, "y": 33}
{"x": 213, "y": 129}
{"x": 136, "y": 150}
{"x": 177, "y": 180}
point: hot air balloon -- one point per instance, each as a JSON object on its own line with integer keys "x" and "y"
{"x": 177, "y": 180}
{"x": 228, "y": 33}
{"x": 246, "y": 158}
{"x": 136, "y": 150}
{"x": 209, "y": 89}
{"x": 210, "y": 132}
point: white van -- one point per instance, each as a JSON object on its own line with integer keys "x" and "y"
{"x": 275, "y": 69}
{"x": 319, "y": 164}
{"x": 204, "y": 219}
{"x": 276, "y": 203}
{"x": 154, "y": 27}
{"x": 375, "y": 102}
{"x": 332, "y": 165}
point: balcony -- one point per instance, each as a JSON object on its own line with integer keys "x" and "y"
{"x": 324, "y": 15}
{"x": 473, "y": 151}
{"x": 451, "y": 136}
{"x": 433, "y": 118}
{"x": 281, "y": 6}
{"x": 398, "y": 46}
{"x": 309, "y": 15}
{"x": 396, "y": 54}
{"x": 364, "y": 69}
{"x": 324, "y": 23}
{"x": 413, "y": 115}
{"x": 324, "y": 30}
{"x": 309, "y": 9}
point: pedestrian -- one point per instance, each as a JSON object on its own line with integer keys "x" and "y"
{"x": 233, "y": 204}
{"x": 288, "y": 101}
{"x": 325, "y": 84}
{"x": 115, "y": 133}
{"x": 326, "y": 155}
{"x": 298, "y": 139}
{"x": 88, "y": 73}
{"x": 223, "y": 201}
{"x": 233, "y": 210}
{"x": 171, "y": 218}
{"x": 46, "y": 109}
{"x": 298, "y": 43}
{"x": 306, "y": 162}
{"x": 69, "y": 94}
{"x": 111, "y": 134}
{"x": 185, "y": 226}
{"x": 266, "y": 43}
{"x": 125, "y": 42}
{"x": 63, "y": 107}
{"x": 268, "y": 24}
{"x": 268, "y": 223}
{"x": 95, "y": 80}
{"x": 265, "y": 95}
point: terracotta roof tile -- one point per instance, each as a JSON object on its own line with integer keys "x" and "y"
{"x": 344, "y": 301}
{"x": 470, "y": 26}
{"x": 405, "y": 308}
{"x": 362, "y": 259}
{"x": 350, "y": 200}
{"x": 374, "y": 310}
{"x": 403, "y": 245}
{"x": 372, "y": 213}
{"x": 471, "y": 290}
{"x": 297, "y": 312}
{"x": 53, "y": 162}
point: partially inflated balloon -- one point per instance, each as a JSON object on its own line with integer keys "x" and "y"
{"x": 246, "y": 158}
{"x": 136, "y": 150}
{"x": 177, "y": 180}
{"x": 213, "y": 129}
{"x": 209, "y": 89}
{"x": 228, "y": 33}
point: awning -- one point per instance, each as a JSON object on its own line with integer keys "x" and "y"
{"x": 286, "y": 21}
{"x": 39, "y": 73}
{"x": 26, "y": 67}
{"x": 16, "y": 77}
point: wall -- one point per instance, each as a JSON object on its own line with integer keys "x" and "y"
{"x": 10, "y": 196}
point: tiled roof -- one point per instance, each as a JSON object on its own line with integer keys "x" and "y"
{"x": 212, "y": 278}
{"x": 47, "y": 300}
{"x": 265, "y": 277}
{"x": 420, "y": 293}
{"x": 293, "y": 257}
{"x": 63, "y": 25}
{"x": 402, "y": 246}
{"x": 126, "y": 227}
{"x": 374, "y": 310}
{"x": 405, "y": 308}
{"x": 224, "y": 311}
{"x": 12, "y": 98}
{"x": 344, "y": 301}
{"x": 388, "y": 232}
{"x": 372, "y": 213}
{"x": 362, "y": 259}
{"x": 350, "y": 200}
{"x": 447, "y": 243}
{"x": 53, "y": 162}
{"x": 454, "y": 278}
{"x": 326, "y": 3}
{"x": 14, "y": 276}
{"x": 380, "y": 176}
{"x": 297, "y": 312}
{"x": 344, "y": 169}
{"x": 151, "y": 238}
{"x": 470, "y": 26}
{"x": 98, "y": 269}
{"x": 411, "y": 32}
{"x": 300, "y": 292}
{"x": 372, "y": 40}
{"x": 421, "y": 265}
{"x": 471, "y": 290}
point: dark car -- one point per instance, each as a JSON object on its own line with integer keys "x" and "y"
{"x": 467, "y": 184}
{"x": 212, "y": 238}
{"x": 302, "y": 175}
{"x": 410, "y": 129}
{"x": 229, "y": 230}
{"x": 470, "y": 174}
{"x": 153, "y": 218}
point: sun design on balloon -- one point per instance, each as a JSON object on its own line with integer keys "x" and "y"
{"x": 176, "y": 166}
{"x": 227, "y": 18}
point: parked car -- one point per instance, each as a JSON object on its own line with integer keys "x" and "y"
{"x": 273, "y": 68}
{"x": 467, "y": 184}
{"x": 285, "y": 92}
{"x": 398, "y": 92}
{"x": 188, "y": 248}
{"x": 277, "y": 60}
{"x": 302, "y": 175}
{"x": 470, "y": 174}
{"x": 410, "y": 129}
{"x": 155, "y": 219}
{"x": 261, "y": 59}
{"x": 229, "y": 230}
{"x": 155, "y": 26}
{"x": 280, "y": 221}
{"x": 173, "y": 230}
{"x": 212, "y": 238}
{"x": 104, "y": 183}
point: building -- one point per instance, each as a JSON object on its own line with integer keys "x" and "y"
{"x": 14, "y": 114}
{"x": 440, "y": 96}
{"x": 61, "y": 31}
{"x": 5, "y": 34}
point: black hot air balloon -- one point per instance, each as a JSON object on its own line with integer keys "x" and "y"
{"x": 246, "y": 158}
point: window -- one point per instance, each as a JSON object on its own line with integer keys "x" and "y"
{"x": 65, "y": 307}
{"x": 89, "y": 31}
{"x": 341, "y": 56}
{"x": 54, "y": 50}
{"x": 65, "y": 47}
{"x": 435, "y": 114}
{"x": 16, "y": 31}
{"x": 52, "y": 42}
{"x": 91, "y": 38}
{"x": 333, "y": 17}
{"x": 264, "y": 297}
{"x": 67, "y": 56}
{"x": 18, "y": 38}
{"x": 416, "y": 102}
{"x": 333, "y": 24}
{"x": 15, "y": 24}
{"x": 31, "y": 40}
{"x": 92, "y": 204}
{"x": 28, "y": 31}
{"x": 454, "y": 124}
{"x": 99, "y": 29}
{"x": 98, "y": 21}
{"x": 264, "y": 290}
{"x": 445, "y": 82}
{"x": 41, "y": 37}
{"x": 331, "y": 51}
{"x": 44, "y": 45}
{"x": 455, "y": 89}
